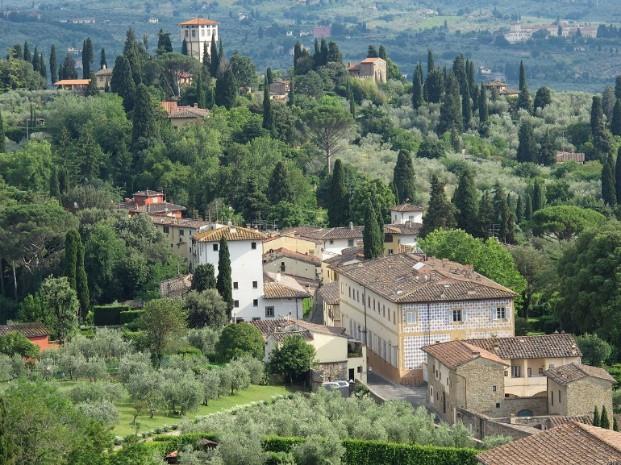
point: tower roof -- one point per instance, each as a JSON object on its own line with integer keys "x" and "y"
{"x": 198, "y": 22}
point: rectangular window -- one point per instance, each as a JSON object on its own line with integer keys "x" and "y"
{"x": 236, "y": 303}
{"x": 166, "y": 229}
{"x": 255, "y": 284}
{"x": 331, "y": 241}
{"x": 516, "y": 371}
{"x": 253, "y": 245}
{"x": 552, "y": 397}
{"x": 410, "y": 318}
{"x": 494, "y": 388}
{"x": 457, "y": 316}
{"x": 255, "y": 302}
{"x": 235, "y": 285}
{"x": 541, "y": 371}
{"x": 350, "y": 243}
{"x": 269, "y": 312}
{"x": 215, "y": 247}
{"x": 530, "y": 372}
{"x": 497, "y": 404}
{"x": 182, "y": 232}
{"x": 501, "y": 313}
{"x": 559, "y": 397}
{"x": 349, "y": 292}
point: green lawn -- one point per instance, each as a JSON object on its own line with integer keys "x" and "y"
{"x": 252, "y": 394}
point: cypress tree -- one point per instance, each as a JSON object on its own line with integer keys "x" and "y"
{"x": 450, "y": 111}
{"x": 528, "y": 206}
{"x": 465, "y": 203}
{"x": 403, "y": 178}
{"x": 527, "y": 148}
{"x": 334, "y": 54}
{"x": 206, "y": 61}
{"x": 523, "y": 101}
{"x": 297, "y": 54}
{"x": 42, "y": 69}
{"x": 466, "y": 107}
{"x": 226, "y": 89}
{"x": 164, "y": 45}
{"x": 615, "y": 123}
{"x": 268, "y": 116}
{"x": 2, "y": 136}
{"x": 34, "y": 61}
{"x": 382, "y": 53}
{"x": 54, "y": 184}
{"x": 459, "y": 70}
{"x": 70, "y": 263}
{"x": 543, "y": 98}
{"x": 608, "y": 102}
{"x": 618, "y": 87}
{"x": 434, "y": 86}
{"x": 609, "y": 194}
{"x": 27, "y": 56}
{"x": 87, "y": 57}
{"x": 92, "y": 86}
{"x": 269, "y": 76}
{"x": 417, "y": 88}
{"x": 598, "y": 128}
{"x": 372, "y": 234}
{"x": 483, "y": 112}
{"x": 430, "y": 64}
{"x": 144, "y": 117}
{"x": 604, "y": 421}
{"x": 134, "y": 56}
{"x": 82, "y": 281}
{"x": 279, "y": 188}
{"x": 439, "y": 212}
{"x": 184, "y": 47}
{"x": 338, "y": 204}
{"x": 596, "y": 418}
{"x": 617, "y": 175}
{"x": 122, "y": 82}
{"x": 539, "y": 195}
{"x": 486, "y": 214}
{"x": 519, "y": 209}
{"x": 323, "y": 52}
{"x": 103, "y": 63}
{"x": 224, "y": 283}
{"x": 201, "y": 91}
{"x": 69, "y": 71}
{"x": 372, "y": 52}
{"x": 204, "y": 278}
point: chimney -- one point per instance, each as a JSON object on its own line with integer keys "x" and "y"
{"x": 351, "y": 225}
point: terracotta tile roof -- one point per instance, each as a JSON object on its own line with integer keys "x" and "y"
{"x": 329, "y": 293}
{"x": 73, "y": 82}
{"x": 198, "y": 22}
{"x": 403, "y": 228}
{"x": 188, "y": 112}
{"x": 281, "y": 328}
{"x": 276, "y": 290}
{"x": 341, "y": 232}
{"x": 348, "y": 256}
{"x": 569, "y": 444}
{"x": 154, "y": 208}
{"x": 27, "y": 329}
{"x": 407, "y": 207}
{"x": 405, "y": 278}
{"x": 373, "y": 60}
{"x": 272, "y": 255}
{"x": 526, "y": 347}
{"x": 230, "y": 233}
{"x": 566, "y": 374}
{"x": 557, "y": 420}
{"x": 179, "y": 222}
{"x": 454, "y": 354}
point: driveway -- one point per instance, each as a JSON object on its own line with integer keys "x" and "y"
{"x": 390, "y": 391}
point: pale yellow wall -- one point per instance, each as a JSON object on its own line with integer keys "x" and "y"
{"x": 294, "y": 244}
{"x": 293, "y": 267}
{"x": 329, "y": 348}
{"x": 527, "y": 386}
{"x": 180, "y": 245}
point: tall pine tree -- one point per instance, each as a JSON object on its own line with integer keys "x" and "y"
{"x": 87, "y": 58}
{"x": 53, "y": 65}
{"x": 372, "y": 234}
{"x": 145, "y": 126}
{"x": 226, "y": 89}
{"x": 439, "y": 212}
{"x": 615, "y": 123}
{"x": 82, "y": 282}
{"x": 539, "y": 195}
{"x": 465, "y": 202}
{"x": 122, "y": 82}
{"x": 203, "y": 278}
{"x": 527, "y": 148}
{"x": 450, "y": 111}
{"x": 338, "y": 201}
{"x": 403, "y": 178}
{"x": 72, "y": 241}
{"x": 483, "y": 112}
{"x": 523, "y": 101}
{"x": 418, "y": 97}
{"x": 224, "y": 283}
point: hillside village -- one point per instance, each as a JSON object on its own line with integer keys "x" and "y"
{"x": 203, "y": 280}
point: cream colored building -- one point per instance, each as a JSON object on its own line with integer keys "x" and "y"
{"x": 400, "y": 303}
{"x": 294, "y": 243}
{"x": 369, "y": 68}
{"x": 336, "y": 357}
{"x": 292, "y": 263}
{"x": 178, "y": 233}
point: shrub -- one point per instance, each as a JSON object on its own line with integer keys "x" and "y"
{"x": 95, "y": 392}
{"x": 373, "y": 452}
{"x": 108, "y": 315}
{"x": 130, "y": 316}
{"x": 102, "y": 411}
{"x": 240, "y": 339}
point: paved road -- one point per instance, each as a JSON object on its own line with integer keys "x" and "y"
{"x": 389, "y": 391}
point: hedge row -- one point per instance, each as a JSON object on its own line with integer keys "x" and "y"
{"x": 359, "y": 452}
{"x": 129, "y": 316}
{"x": 108, "y": 315}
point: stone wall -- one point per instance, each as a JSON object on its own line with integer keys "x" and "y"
{"x": 585, "y": 394}
{"x": 482, "y": 426}
{"x": 512, "y": 406}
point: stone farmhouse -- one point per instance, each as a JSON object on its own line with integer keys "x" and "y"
{"x": 369, "y": 68}
{"x": 398, "y": 304}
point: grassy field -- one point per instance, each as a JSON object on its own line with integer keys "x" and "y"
{"x": 252, "y": 394}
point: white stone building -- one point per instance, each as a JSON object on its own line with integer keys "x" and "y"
{"x": 332, "y": 241}
{"x": 198, "y": 34}
{"x": 406, "y": 213}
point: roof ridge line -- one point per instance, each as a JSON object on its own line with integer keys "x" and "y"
{"x": 585, "y": 428}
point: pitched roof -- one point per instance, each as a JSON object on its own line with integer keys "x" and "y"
{"x": 276, "y": 290}
{"x": 526, "y": 347}
{"x": 153, "y": 208}
{"x": 373, "y": 60}
{"x": 454, "y": 354}
{"x": 272, "y": 255}
{"x": 179, "y": 222}
{"x": 403, "y": 228}
{"x": 198, "y": 22}
{"x": 188, "y": 112}
{"x": 281, "y": 328}
{"x": 569, "y": 444}
{"x": 148, "y": 193}
{"x": 104, "y": 72}
{"x": 407, "y": 207}
{"x": 27, "y": 329}
{"x": 73, "y": 82}
{"x": 405, "y": 278}
{"x": 313, "y": 233}
{"x": 329, "y": 293}
{"x": 230, "y": 233}
{"x": 566, "y": 374}
{"x": 348, "y": 256}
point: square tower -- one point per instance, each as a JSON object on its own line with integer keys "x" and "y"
{"x": 198, "y": 34}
